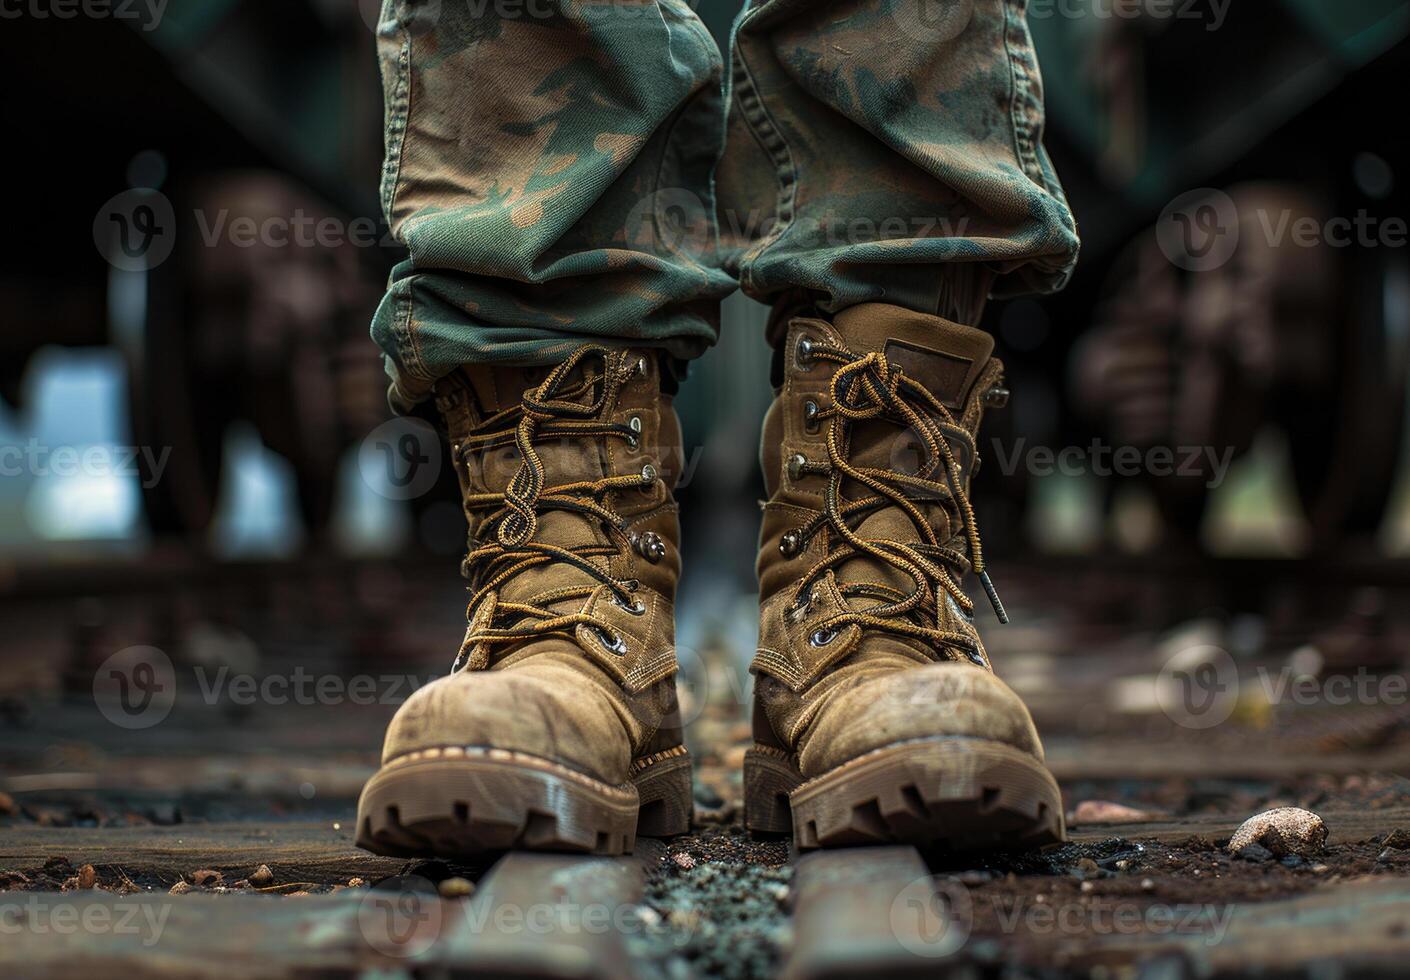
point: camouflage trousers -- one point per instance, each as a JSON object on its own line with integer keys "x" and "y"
{"x": 566, "y": 170}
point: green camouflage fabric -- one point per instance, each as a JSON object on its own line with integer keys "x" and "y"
{"x": 563, "y": 171}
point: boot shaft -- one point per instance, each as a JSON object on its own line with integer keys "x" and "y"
{"x": 951, "y": 361}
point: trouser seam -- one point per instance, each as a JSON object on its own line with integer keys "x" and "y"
{"x": 398, "y": 117}
{"x": 770, "y": 139}
{"x": 405, "y": 333}
{"x": 1021, "y": 95}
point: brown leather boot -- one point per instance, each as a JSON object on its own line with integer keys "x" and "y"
{"x": 876, "y": 714}
{"x": 558, "y": 727}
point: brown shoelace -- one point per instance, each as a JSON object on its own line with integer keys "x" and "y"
{"x": 503, "y": 542}
{"x": 870, "y": 388}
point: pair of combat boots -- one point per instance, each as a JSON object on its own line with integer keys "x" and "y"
{"x": 877, "y": 717}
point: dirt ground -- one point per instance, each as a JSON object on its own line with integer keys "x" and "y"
{"x": 235, "y": 799}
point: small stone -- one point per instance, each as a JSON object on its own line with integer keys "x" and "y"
{"x": 1285, "y": 831}
{"x": 180, "y": 888}
{"x": 456, "y": 888}
{"x": 649, "y": 917}
{"x": 206, "y": 878}
{"x": 683, "y": 860}
{"x": 1320, "y": 869}
{"x": 7, "y": 804}
{"x": 1103, "y": 811}
{"x": 779, "y": 891}
{"x": 262, "y": 876}
{"x": 1087, "y": 887}
{"x": 356, "y": 883}
{"x": 1256, "y": 853}
{"x": 1123, "y": 865}
{"x": 1086, "y": 868}
{"x": 1147, "y": 885}
{"x": 87, "y": 877}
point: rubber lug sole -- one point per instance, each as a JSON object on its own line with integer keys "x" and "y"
{"x": 950, "y": 794}
{"x": 461, "y": 803}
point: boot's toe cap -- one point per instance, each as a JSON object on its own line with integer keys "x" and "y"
{"x": 546, "y": 710}
{"x": 933, "y": 701}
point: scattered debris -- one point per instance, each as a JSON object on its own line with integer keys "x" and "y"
{"x": 206, "y": 878}
{"x": 87, "y": 877}
{"x": 1285, "y": 831}
{"x": 1398, "y": 839}
{"x": 683, "y": 860}
{"x": 262, "y": 876}
{"x": 180, "y": 888}
{"x": 288, "y": 888}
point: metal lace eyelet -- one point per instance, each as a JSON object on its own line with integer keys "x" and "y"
{"x": 796, "y": 462}
{"x": 641, "y": 367}
{"x": 613, "y": 642}
{"x": 810, "y": 416}
{"x": 648, "y": 474}
{"x": 996, "y": 397}
{"x": 650, "y": 546}
{"x": 791, "y": 543}
{"x": 800, "y": 609}
{"x": 637, "y": 608}
{"x": 634, "y": 423}
{"x": 821, "y": 638}
{"x": 803, "y": 353}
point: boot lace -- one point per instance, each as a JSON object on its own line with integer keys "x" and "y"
{"x": 503, "y": 544}
{"x": 865, "y": 389}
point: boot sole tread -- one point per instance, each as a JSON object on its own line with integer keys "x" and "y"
{"x": 455, "y": 802}
{"x": 946, "y": 794}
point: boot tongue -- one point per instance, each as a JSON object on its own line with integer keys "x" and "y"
{"x": 946, "y": 358}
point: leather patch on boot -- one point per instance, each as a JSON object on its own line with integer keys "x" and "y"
{"x": 948, "y": 376}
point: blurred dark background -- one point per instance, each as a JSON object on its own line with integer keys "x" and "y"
{"x": 1239, "y": 173}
